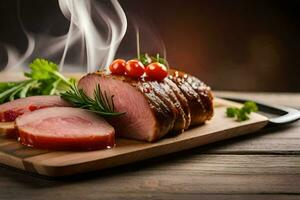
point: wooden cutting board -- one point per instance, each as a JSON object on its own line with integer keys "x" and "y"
{"x": 61, "y": 163}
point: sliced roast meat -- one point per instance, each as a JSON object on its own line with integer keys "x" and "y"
{"x": 65, "y": 128}
{"x": 11, "y": 110}
{"x": 165, "y": 92}
{"x": 198, "y": 95}
{"x": 147, "y": 118}
{"x": 152, "y": 108}
{"x": 164, "y": 115}
{"x": 183, "y": 102}
{"x": 205, "y": 94}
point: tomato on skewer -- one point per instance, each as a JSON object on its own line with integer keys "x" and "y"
{"x": 156, "y": 71}
{"x": 118, "y": 67}
{"x": 134, "y": 68}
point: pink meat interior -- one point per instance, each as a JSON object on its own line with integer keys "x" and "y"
{"x": 64, "y": 122}
{"x": 138, "y": 122}
{"x": 11, "y": 110}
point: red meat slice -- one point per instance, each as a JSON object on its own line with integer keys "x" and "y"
{"x": 65, "y": 128}
{"x": 11, "y": 110}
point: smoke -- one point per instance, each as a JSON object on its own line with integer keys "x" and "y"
{"x": 95, "y": 32}
{"x": 149, "y": 38}
{"x": 102, "y": 26}
{"x": 141, "y": 28}
{"x": 14, "y": 59}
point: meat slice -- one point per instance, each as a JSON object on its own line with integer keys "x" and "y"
{"x": 163, "y": 108}
{"x": 167, "y": 95}
{"x": 147, "y": 117}
{"x": 65, "y": 128}
{"x": 197, "y": 93}
{"x": 11, "y": 110}
{"x": 205, "y": 95}
{"x": 152, "y": 108}
{"x": 183, "y": 103}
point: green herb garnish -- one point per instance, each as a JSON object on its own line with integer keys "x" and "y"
{"x": 43, "y": 79}
{"x": 242, "y": 114}
{"x": 100, "y": 103}
{"x": 146, "y": 59}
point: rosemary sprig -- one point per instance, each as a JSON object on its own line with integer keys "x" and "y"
{"x": 100, "y": 103}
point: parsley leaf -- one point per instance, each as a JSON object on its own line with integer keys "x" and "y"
{"x": 43, "y": 79}
{"x": 232, "y": 112}
{"x": 41, "y": 69}
{"x": 250, "y": 106}
{"x": 242, "y": 114}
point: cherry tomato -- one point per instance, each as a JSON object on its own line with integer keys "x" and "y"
{"x": 156, "y": 71}
{"x": 134, "y": 68}
{"x": 118, "y": 67}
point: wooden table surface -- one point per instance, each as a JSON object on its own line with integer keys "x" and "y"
{"x": 264, "y": 165}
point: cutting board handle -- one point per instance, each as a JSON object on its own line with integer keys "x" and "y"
{"x": 286, "y": 114}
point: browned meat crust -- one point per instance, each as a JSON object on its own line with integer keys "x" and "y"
{"x": 178, "y": 102}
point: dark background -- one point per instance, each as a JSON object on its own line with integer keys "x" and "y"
{"x": 248, "y": 45}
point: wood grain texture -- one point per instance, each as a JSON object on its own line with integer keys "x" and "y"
{"x": 53, "y": 163}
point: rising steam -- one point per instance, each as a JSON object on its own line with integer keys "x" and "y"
{"x": 100, "y": 42}
{"x": 95, "y": 32}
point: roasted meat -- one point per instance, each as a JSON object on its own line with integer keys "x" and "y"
{"x": 65, "y": 128}
{"x": 153, "y": 108}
